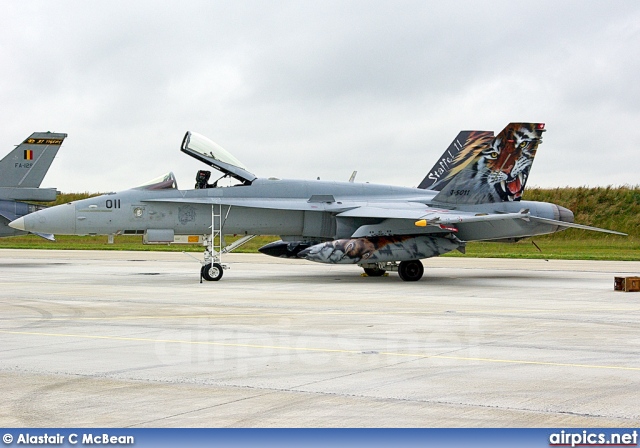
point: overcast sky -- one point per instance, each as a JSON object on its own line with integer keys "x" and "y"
{"x": 301, "y": 89}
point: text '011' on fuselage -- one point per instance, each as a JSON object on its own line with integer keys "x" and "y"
{"x": 21, "y": 173}
{"x": 472, "y": 193}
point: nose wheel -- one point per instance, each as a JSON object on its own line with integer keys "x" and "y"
{"x": 212, "y": 272}
{"x": 212, "y": 268}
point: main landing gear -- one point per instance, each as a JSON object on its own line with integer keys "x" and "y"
{"x": 409, "y": 271}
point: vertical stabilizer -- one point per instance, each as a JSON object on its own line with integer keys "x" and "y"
{"x": 492, "y": 169}
{"x": 28, "y": 163}
{"x": 459, "y": 153}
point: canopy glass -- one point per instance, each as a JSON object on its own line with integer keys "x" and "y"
{"x": 202, "y": 145}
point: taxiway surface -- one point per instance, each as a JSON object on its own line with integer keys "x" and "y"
{"x": 132, "y": 339}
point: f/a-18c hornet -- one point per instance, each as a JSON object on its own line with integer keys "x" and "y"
{"x": 21, "y": 173}
{"x": 473, "y": 193}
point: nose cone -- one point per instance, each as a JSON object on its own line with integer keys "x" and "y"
{"x": 60, "y": 220}
{"x": 17, "y": 224}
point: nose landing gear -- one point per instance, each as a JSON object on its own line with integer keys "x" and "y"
{"x": 212, "y": 272}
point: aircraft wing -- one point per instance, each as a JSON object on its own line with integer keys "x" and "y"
{"x": 389, "y": 218}
{"x": 344, "y": 208}
{"x": 413, "y": 214}
{"x": 419, "y": 220}
{"x": 415, "y": 211}
{"x": 347, "y": 209}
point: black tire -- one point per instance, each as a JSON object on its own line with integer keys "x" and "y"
{"x": 374, "y": 272}
{"x": 411, "y": 271}
{"x": 212, "y": 272}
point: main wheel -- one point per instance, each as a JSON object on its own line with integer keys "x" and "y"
{"x": 212, "y": 272}
{"x": 374, "y": 272}
{"x": 411, "y": 271}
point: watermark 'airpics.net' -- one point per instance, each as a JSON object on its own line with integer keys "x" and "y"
{"x": 589, "y": 438}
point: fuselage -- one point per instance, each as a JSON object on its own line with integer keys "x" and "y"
{"x": 297, "y": 210}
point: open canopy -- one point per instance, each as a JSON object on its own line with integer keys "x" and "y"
{"x": 203, "y": 149}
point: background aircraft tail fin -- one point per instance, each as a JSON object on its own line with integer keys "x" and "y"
{"x": 490, "y": 169}
{"x": 29, "y": 162}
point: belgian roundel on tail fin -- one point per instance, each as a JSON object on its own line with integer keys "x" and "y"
{"x": 497, "y": 169}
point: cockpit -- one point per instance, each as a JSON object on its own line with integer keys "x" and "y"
{"x": 205, "y": 150}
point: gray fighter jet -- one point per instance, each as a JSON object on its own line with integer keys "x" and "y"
{"x": 21, "y": 173}
{"x": 472, "y": 193}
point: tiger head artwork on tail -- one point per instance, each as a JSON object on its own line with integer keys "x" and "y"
{"x": 486, "y": 169}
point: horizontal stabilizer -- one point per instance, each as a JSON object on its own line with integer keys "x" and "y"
{"x": 28, "y": 194}
{"x": 575, "y": 226}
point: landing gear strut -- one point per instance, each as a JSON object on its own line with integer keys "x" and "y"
{"x": 213, "y": 268}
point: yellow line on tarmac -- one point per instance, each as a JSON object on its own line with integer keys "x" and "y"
{"x": 321, "y": 350}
